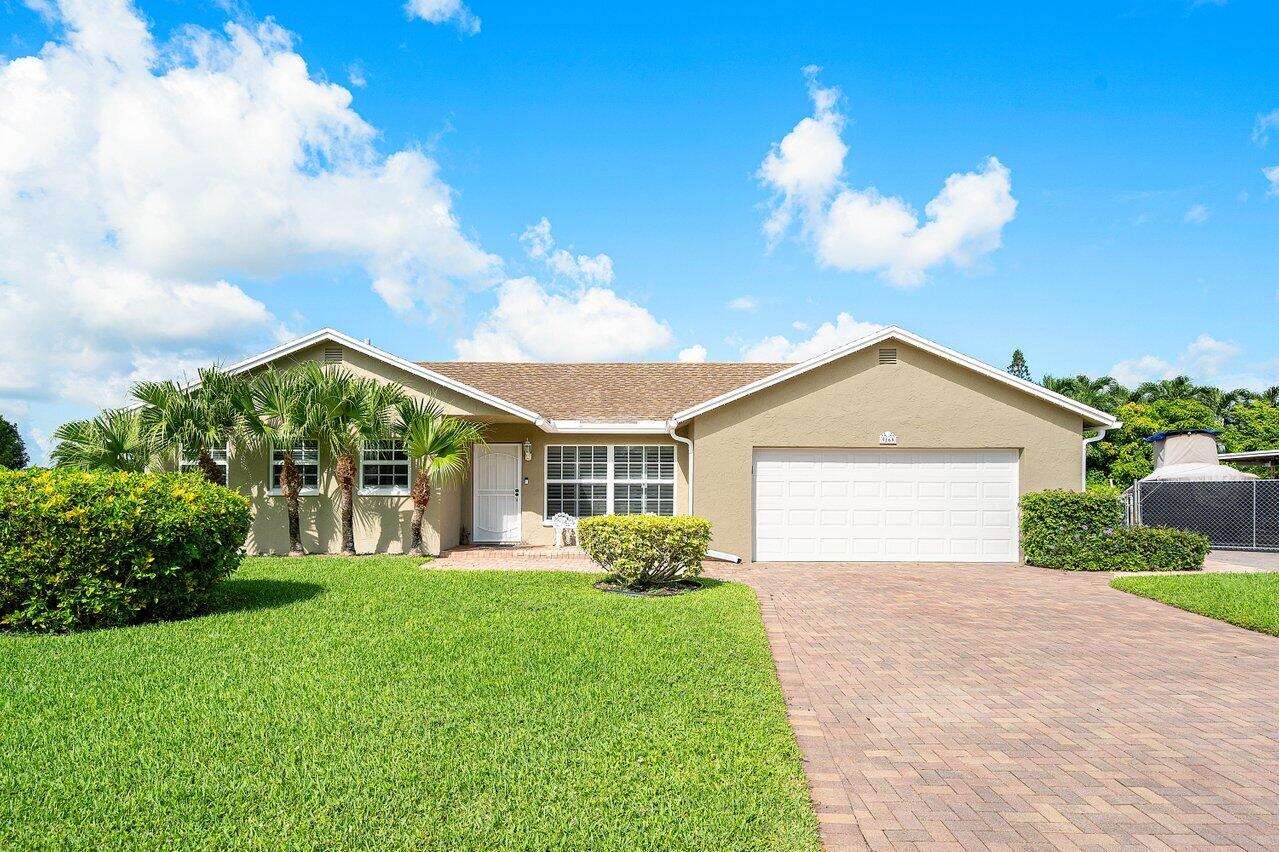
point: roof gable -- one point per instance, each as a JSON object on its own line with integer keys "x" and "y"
{"x": 1090, "y": 415}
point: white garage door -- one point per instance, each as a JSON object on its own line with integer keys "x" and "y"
{"x": 886, "y": 505}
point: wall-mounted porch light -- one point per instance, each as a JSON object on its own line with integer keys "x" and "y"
{"x": 528, "y": 450}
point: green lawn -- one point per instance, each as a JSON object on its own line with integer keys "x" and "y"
{"x": 369, "y": 703}
{"x": 1248, "y": 600}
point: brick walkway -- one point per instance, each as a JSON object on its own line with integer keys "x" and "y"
{"x": 996, "y": 707}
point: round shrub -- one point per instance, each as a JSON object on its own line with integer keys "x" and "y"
{"x": 644, "y": 550}
{"x": 82, "y": 550}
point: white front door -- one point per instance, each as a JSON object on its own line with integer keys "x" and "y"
{"x": 876, "y": 505}
{"x": 496, "y": 483}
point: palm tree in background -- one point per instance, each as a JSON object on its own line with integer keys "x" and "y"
{"x": 440, "y": 446}
{"x": 212, "y": 414}
{"x": 1104, "y": 394}
{"x": 277, "y": 418}
{"x": 345, "y": 412}
{"x": 114, "y": 440}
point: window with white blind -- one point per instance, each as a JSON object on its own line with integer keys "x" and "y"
{"x": 644, "y": 480}
{"x": 384, "y": 468}
{"x": 595, "y": 479}
{"x": 190, "y": 463}
{"x": 306, "y": 455}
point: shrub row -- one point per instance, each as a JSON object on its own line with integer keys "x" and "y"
{"x": 1085, "y": 532}
{"x": 643, "y": 550}
{"x": 82, "y": 550}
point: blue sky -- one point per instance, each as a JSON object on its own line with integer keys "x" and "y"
{"x": 1130, "y": 136}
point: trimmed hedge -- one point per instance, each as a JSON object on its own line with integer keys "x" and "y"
{"x": 644, "y": 550}
{"x": 1085, "y": 532}
{"x": 83, "y": 550}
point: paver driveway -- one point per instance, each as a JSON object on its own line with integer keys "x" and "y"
{"x": 1014, "y": 707}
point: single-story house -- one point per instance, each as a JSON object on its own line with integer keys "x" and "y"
{"x": 889, "y": 448}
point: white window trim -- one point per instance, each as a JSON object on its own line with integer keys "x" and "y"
{"x": 609, "y": 480}
{"x": 225, "y": 464}
{"x": 384, "y": 490}
{"x": 274, "y": 489}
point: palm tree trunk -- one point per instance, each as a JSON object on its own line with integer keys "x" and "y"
{"x": 212, "y": 470}
{"x": 290, "y": 485}
{"x": 421, "y": 497}
{"x": 346, "y": 482}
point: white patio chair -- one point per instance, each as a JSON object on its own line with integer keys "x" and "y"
{"x": 565, "y": 526}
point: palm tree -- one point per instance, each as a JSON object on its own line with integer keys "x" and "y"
{"x": 440, "y": 446}
{"x": 114, "y": 440}
{"x": 1104, "y": 394}
{"x": 1270, "y": 395}
{"x": 276, "y": 417}
{"x": 345, "y": 412}
{"x": 1180, "y": 387}
{"x": 212, "y": 414}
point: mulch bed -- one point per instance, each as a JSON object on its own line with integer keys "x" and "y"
{"x": 678, "y": 587}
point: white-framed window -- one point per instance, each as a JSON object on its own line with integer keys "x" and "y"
{"x": 306, "y": 455}
{"x": 644, "y": 480}
{"x": 384, "y": 468}
{"x": 599, "y": 479}
{"x": 188, "y": 463}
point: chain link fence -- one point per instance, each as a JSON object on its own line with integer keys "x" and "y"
{"x": 1234, "y": 515}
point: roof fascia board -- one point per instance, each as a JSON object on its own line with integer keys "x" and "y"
{"x": 334, "y": 336}
{"x": 1091, "y": 415}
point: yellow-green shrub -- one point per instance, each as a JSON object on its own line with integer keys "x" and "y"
{"x": 81, "y": 550}
{"x": 644, "y": 550}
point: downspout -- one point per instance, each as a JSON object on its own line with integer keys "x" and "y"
{"x": 714, "y": 554}
{"x": 1083, "y": 470}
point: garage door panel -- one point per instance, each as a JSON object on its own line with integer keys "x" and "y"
{"x": 886, "y": 505}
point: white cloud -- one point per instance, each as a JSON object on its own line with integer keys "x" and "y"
{"x": 1206, "y": 360}
{"x": 443, "y": 11}
{"x": 582, "y": 269}
{"x": 744, "y": 303}
{"x": 1261, "y": 129}
{"x": 356, "y": 74}
{"x": 826, "y": 337}
{"x": 862, "y": 230}
{"x": 531, "y": 323}
{"x": 694, "y": 354}
{"x": 1198, "y": 214}
{"x": 1272, "y": 175}
{"x": 141, "y": 182}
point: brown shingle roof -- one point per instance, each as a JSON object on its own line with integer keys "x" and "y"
{"x": 648, "y": 390}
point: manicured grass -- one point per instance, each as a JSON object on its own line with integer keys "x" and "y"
{"x": 369, "y": 703}
{"x": 1248, "y": 600}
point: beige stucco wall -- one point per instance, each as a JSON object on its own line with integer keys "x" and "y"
{"x": 927, "y": 401}
{"x": 533, "y": 492}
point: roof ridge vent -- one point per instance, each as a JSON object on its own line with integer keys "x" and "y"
{"x": 888, "y": 355}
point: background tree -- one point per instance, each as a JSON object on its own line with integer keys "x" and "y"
{"x": 13, "y": 452}
{"x": 1018, "y": 366}
{"x": 440, "y": 446}
{"x": 213, "y": 414}
{"x": 114, "y": 440}
{"x": 277, "y": 418}
{"x": 344, "y": 413}
{"x": 1104, "y": 394}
